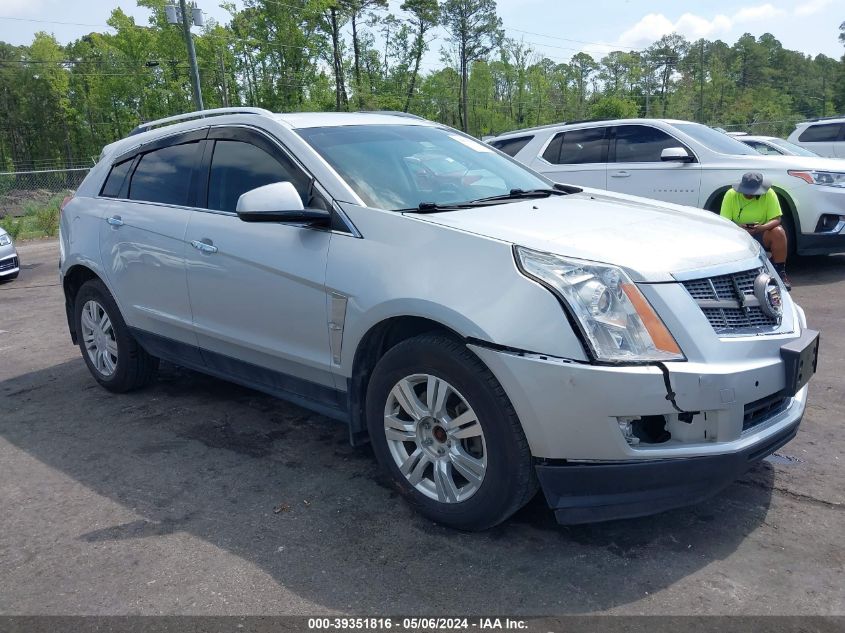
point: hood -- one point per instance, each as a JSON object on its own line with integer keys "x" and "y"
{"x": 820, "y": 163}
{"x": 651, "y": 240}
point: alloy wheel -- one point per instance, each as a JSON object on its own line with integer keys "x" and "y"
{"x": 435, "y": 438}
{"x": 99, "y": 338}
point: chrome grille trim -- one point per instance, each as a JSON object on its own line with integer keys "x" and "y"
{"x": 9, "y": 264}
{"x": 729, "y": 303}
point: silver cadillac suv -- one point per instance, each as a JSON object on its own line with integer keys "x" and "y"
{"x": 488, "y": 331}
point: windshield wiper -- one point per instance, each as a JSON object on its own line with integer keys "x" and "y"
{"x": 514, "y": 194}
{"x": 433, "y": 207}
{"x": 521, "y": 194}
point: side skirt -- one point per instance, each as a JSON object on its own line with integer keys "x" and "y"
{"x": 326, "y": 401}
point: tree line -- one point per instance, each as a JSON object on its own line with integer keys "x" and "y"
{"x": 61, "y": 103}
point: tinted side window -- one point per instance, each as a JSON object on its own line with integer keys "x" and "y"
{"x": 575, "y": 147}
{"x": 642, "y": 144}
{"x": 763, "y": 148}
{"x": 552, "y": 153}
{"x": 511, "y": 146}
{"x": 164, "y": 175}
{"x": 238, "y": 167}
{"x": 824, "y": 133}
{"x": 114, "y": 181}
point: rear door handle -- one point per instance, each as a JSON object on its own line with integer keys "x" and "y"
{"x": 204, "y": 245}
{"x": 620, "y": 174}
{"x": 115, "y": 220}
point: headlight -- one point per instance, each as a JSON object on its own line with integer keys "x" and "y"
{"x": 5, "y": 240}
{"x": 827, "y": 178}
{"x": 615, "y": 318}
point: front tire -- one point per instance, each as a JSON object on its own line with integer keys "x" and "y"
{"x": 443, "y": 427}
{"x": 113, "y": 356}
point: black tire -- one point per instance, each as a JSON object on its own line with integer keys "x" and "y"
{"x": 788, "y": 224}
{"x": 135, "y": 368}
{"x": 509, "y": 480}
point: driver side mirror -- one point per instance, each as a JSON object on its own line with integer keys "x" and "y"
{"x": 676, "y": 154}
{"x": 277, "y": 202}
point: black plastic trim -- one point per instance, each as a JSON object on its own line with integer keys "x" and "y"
{"x": 604, "y": 491}
{"x": 319, "y": 398}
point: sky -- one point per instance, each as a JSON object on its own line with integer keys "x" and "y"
{"x": 553, "y": 28}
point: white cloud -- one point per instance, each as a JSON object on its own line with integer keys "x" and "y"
{"x": 809, "y": 7}
{"x": 15, "y": 8}
{"x": 655, "y": 25}
{"x": 757, "y": 14}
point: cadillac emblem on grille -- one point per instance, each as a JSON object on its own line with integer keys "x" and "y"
{"x": 767, "y": 292}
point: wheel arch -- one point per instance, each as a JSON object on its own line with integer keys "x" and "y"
{"x": 792, "y": 224}
{"x": 375, "y": 342}
{"x": 714, "y": 201}
{"x": 72, "y": 281}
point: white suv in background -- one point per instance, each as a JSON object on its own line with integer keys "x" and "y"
{"x": 690, "y": 164}
{"x": 825, "y": 137}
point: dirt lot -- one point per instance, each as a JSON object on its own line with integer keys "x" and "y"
{"x": 197, "y": 496}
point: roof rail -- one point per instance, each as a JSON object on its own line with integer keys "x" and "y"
{"x": 407, "y": 115}
{"x": 199, "y": 114}
{"x": 825, "y": 118}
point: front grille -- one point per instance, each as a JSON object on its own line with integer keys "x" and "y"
{"x": 9, "y": 264}
{"x": 764, "y": 409}
{"x": 729, "y": 303}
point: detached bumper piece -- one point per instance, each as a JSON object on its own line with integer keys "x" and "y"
{"x": 593, "y": 492}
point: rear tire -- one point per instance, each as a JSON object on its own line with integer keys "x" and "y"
{"x": 467, "y": 461}
{"x": 112, "y": 354}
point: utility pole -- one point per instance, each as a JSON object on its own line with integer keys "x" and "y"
{"x": 701, "y": 82}
{"x": 824, "y": 95}
{"x": 175, "y": 16}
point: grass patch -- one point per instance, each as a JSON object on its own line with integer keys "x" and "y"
{"x": 38, "y": 220}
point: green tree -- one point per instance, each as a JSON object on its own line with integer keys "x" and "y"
{"x": 613, "y": 107}
{"x": 424, "y": 16}
{"x": 474, "y": 30}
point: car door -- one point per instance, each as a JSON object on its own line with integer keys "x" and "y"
{"x": 635, "y": 166}
{"x": 257, "y": 290}
{"x": 148, "y": 201}
{"x": 577, "y": 157}
{"x": 821, "y": 138}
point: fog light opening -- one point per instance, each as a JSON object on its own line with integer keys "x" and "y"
{"x": 626, "y": 426}
{"x": 830, "y": 223}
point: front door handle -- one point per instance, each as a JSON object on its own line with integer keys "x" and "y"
{"x": 620, "y": 174}
{"x": 204, "y": 245}
{"x": 115, "y": 220}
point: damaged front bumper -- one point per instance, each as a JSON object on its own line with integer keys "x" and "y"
{"x": 576, "y": 417}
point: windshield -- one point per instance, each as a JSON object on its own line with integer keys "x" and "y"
{"x": 715, "y": 140}
{"x": 398, "y": 167}
{"x": 792, "y": 148}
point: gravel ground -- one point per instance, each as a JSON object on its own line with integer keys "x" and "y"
{"x": 196, "y": 496}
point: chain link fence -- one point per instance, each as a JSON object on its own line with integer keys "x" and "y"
{"x": 30, "y": 199}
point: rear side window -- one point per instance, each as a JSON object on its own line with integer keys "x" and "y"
{"x": 642, "y": 144}
{"x": 164, "y": 175}
{"x": 576, "y": 147}
{"x": 763, "y": 148}
{"x": 114, "y": 181}
{"x": 511, "y": 146}
{"x": 824, "y": 133}
{"x": 238, "y": 167}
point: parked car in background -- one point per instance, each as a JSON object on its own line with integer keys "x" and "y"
{"x": 9, "y": 260}
{"x": 487, "y": 331}
{"x": 690, "y": 164}
{"x": 825, "y": 137}
{"x": 773, "y": 146}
